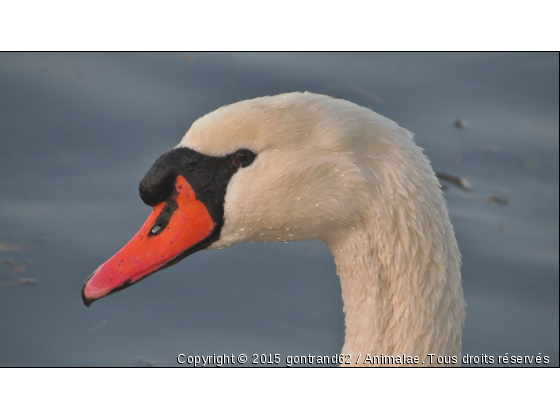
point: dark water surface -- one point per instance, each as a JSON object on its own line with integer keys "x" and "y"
{"x": 78, "y": 132}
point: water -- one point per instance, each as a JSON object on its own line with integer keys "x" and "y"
{"x": 79, "y": 131}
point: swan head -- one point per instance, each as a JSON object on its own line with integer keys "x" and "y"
{"x": 283, "y": 168}
{"x": 295, "y": 189}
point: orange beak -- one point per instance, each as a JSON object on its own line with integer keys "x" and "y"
{"x": 175, "y": 229}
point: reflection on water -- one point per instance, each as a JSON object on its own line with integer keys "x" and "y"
{"x": 78, "y": 132}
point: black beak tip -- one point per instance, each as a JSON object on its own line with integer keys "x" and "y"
{"x": 87, "y": 301}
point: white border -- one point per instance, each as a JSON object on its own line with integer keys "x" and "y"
{"x": 484, "y": 25}
{"x": 335, "y": 393}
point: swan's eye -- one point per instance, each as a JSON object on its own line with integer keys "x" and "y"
{"x": 243, "y": 158}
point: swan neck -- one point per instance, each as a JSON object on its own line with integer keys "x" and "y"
{"x": 401, "y": 288}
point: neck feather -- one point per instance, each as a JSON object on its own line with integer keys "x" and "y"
{"x": 400, "y": 276}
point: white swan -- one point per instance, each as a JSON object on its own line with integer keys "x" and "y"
{"x": 302, "y": 166}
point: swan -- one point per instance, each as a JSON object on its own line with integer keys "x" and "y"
{"x": 303, "y": 166}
